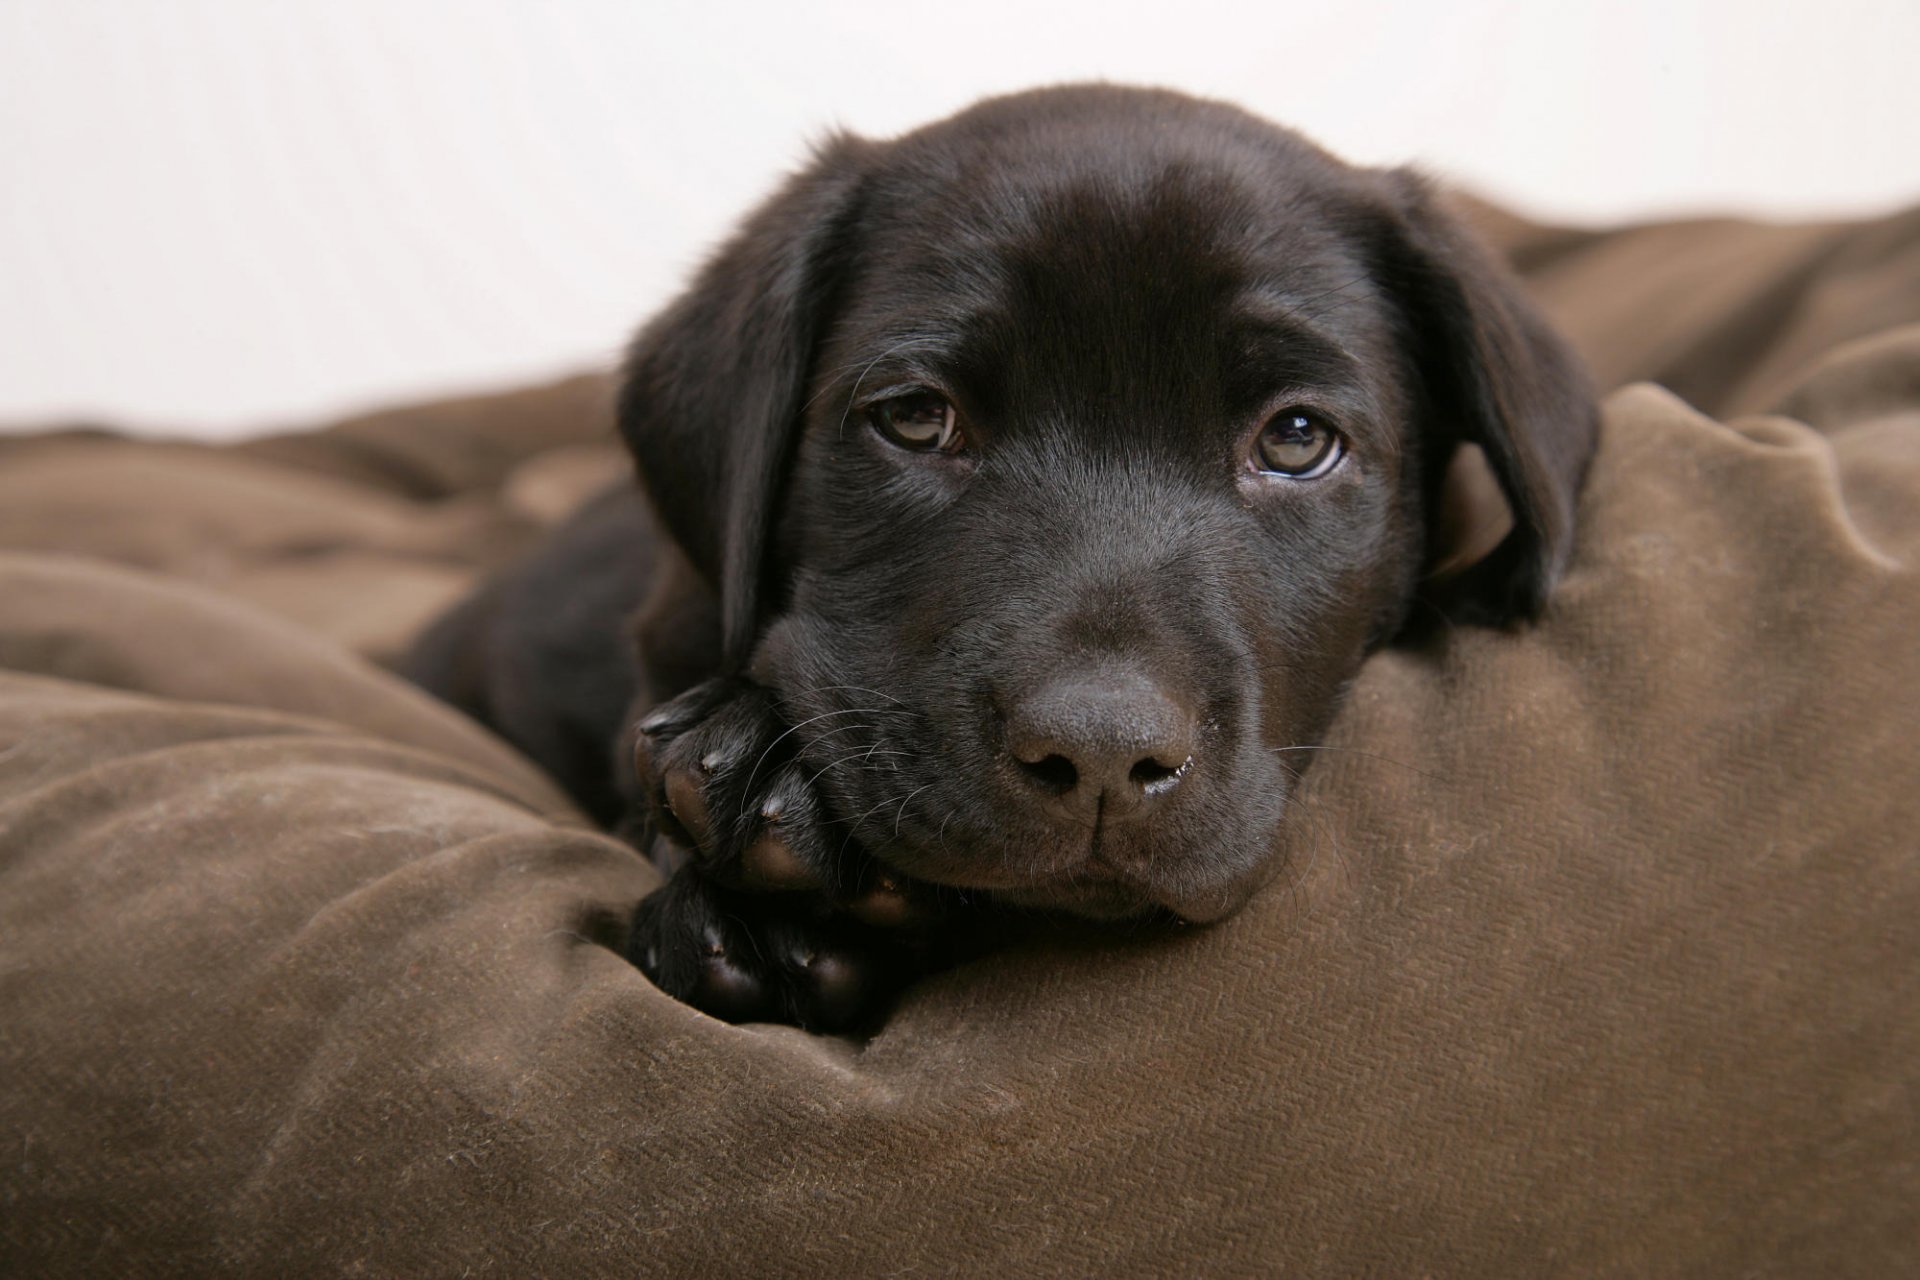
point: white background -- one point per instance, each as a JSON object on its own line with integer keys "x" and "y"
{"x": 221, "y": 215}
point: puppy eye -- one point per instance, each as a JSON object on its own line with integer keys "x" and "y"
{"x": 1299, "y": 445}
{"x": 922, "y": 421}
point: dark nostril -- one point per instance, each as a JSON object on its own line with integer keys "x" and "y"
{"x": 1055, "y": 773}
{"x": 1146, "y": 773}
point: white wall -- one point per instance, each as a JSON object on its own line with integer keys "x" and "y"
{"x": 218, "y": 215}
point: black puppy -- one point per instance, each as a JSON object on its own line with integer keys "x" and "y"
{"x": 1036, "y": 483}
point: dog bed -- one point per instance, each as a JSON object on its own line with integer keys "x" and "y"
{"x": 1597, "y": 951}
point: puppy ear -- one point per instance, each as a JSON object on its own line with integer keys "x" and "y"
{"x": 1494, "y": 375}
{"x": 1467, "y": 518}
{"x": 713, "y": 388}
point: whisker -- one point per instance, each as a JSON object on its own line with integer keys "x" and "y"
{"x": 855, "y": 688}
{"x": 1370, "y": 755}
{"x": 869, "y": 753}
{"x": 855, "y": 727}
{"x": 840, "y": 431}
{"x": 1300, "y": 806}
{"x": 1322, "y": 828}
{"x": 854, "y": 826}
{"x": 755, "y": 771}
{"x": 827, "y": 376}
{"x": 903, "y": 809}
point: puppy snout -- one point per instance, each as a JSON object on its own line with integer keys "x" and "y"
{"x": 1106, "y": 744}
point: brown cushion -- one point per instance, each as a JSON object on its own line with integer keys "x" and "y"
{"x": 1598, "y": 949}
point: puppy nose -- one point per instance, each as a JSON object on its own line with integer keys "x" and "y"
{"x": 1105, "y": 743}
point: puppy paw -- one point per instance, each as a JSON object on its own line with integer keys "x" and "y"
{"x": 722, "y": 774}
{"x": 772, "y": 913}
{"x": 746, "y": 957}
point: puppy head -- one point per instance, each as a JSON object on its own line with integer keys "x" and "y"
{"x": 1060, "y": 462}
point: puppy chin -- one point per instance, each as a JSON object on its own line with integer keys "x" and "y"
{"x": 1097, "y": 894}
{"x": 1095, "y": 899}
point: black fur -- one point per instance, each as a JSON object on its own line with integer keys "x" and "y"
{"x": 1064, "y": 666}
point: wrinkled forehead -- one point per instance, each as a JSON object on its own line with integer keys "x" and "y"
{"x": 1123, "y": 261}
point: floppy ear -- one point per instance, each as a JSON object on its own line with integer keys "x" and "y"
{"x": 714, "y": 387}
{"x": 1494, "y": 375}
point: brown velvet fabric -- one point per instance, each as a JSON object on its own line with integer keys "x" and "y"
{"x": 1598, "y": 951}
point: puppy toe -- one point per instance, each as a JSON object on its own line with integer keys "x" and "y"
{"x": 835, "y": 990}
{"x": 697, "y": 950}
{"x": 771, "y": 863}
{"x": 788, "y": 850}
{"x": 727, "y": 988}
{"x": 691, "y": 767}
{"x": 888, "y": 903}
{"x": 832, "y": 975}
{"x": 686, "y": 799}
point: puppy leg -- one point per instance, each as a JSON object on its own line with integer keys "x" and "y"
{"x": 774, "y": 913}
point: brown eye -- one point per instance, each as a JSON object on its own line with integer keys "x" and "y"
{"x": 1298, "y": 445}
{"x": 922, "y": 421}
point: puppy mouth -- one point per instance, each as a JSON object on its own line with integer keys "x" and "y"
{"x": 1095, "y": 888}
{"x": 1091, "y": 889}
{"x": 1098, "y": 893}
